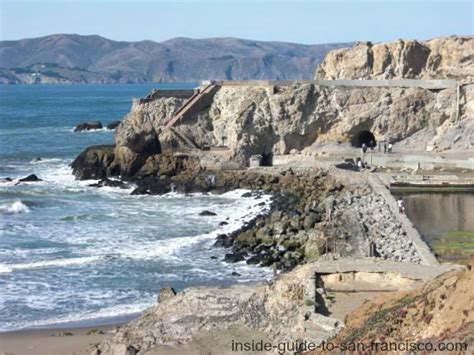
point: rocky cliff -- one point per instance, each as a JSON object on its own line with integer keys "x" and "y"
{"x": 439, "y": 58}
{"x": 271, "y": 119}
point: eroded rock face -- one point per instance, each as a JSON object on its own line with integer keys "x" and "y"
{"x": 439, "y": 58}
{"x": 252, "y": 120}
{"x": 95, "y": 162}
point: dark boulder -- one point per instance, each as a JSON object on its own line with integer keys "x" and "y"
{"x": 30, "y": 178}
{"x": 7, "y": 179}
{"x": 87, "y": 126}
{"x": 311, "y": 219}
{"x": 110, "y": 183}
{"x": 153, "y": 185}
{"x": 140, "y": 191}
{"x": 267, "y": 260}
{"x": 95, "y": 162}
{"x": 234, "y": 257}
{"x": 207, "y": 213}
{"x": 224, "y": 241}
{"x": 254, "y": 260}
{"x": 113, "y": 125}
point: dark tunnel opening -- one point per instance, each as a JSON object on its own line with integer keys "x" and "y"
{"x": 267, "y": 159}
{"x": 363, "y": 137}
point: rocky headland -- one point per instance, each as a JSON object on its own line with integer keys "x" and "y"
{"x": 438, "y": 58}
{"x": 275, "y": 118}
{"x": 204, "y": 140}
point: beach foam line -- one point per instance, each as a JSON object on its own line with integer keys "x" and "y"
{"x": 7, "y": 268}
{"x": 16, "y": 207}
{"x": 111, "y": 312}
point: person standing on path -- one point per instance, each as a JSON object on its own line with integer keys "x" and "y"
{"x": 401, "y": 205}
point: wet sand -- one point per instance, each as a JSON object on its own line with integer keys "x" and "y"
{"x": 52, "y": 341}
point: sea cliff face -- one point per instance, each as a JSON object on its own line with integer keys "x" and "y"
{"x": 439, "y": 58}
{"x": 272, "y": 118}
{"x": 269, "y": 120}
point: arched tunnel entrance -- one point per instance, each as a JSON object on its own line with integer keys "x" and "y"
{"x": 362, "y": 137}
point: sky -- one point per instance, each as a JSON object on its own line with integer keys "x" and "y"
{"x": 301, "y": 21}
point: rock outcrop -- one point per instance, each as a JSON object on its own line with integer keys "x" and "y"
{"x": 279, "y": 310}
{"x": 87, "y": 126}
{"x": 271, "y": 118}
{"x": 95, "y": 162}
{"x": 265, "y": 120}
{"x": 439, "y": 58}
{"x": 112, "y": 125}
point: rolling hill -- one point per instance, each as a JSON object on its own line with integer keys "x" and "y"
{"x": 65, "y": 58}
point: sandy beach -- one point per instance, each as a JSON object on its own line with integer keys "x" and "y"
{"x": 51, "y": 341}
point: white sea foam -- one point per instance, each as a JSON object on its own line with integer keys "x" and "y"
{"x": 122, "y": 310}
{"x": 16, "y": 207}
{"x": 6, "y": 268}
{"x": 135, "y": 227}
{"x": 94, "y": 130}
{"x": 170, "y": 249}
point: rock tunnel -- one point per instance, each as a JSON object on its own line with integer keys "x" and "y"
{"x": 362, "y": 137}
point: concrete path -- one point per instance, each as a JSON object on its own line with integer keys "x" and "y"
{"x": 408, "y": 270}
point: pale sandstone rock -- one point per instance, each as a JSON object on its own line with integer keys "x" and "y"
{"x": 439, "y": 58}
{"x": 254, "y": 120}
{"x": 277, "y": 308}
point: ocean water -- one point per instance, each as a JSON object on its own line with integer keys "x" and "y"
{"x": 76, "y": 255}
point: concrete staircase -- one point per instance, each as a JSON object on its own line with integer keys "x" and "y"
{"x": 188, "y": 105}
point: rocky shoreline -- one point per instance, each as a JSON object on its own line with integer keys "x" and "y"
{"x": 170, "y": 142}
{"x": 313, "y": 213}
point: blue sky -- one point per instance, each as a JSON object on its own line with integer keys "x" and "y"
{"x": 303, "y": 21}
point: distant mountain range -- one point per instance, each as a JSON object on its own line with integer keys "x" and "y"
{"x": 65, "y": 58}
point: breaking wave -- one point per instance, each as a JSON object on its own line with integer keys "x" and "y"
{"x": 16, "y": 207}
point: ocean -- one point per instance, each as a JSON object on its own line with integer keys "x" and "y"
{"x": 74, "y": 255}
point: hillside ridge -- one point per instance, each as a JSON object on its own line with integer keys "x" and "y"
{"x": 72, "y": 58}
